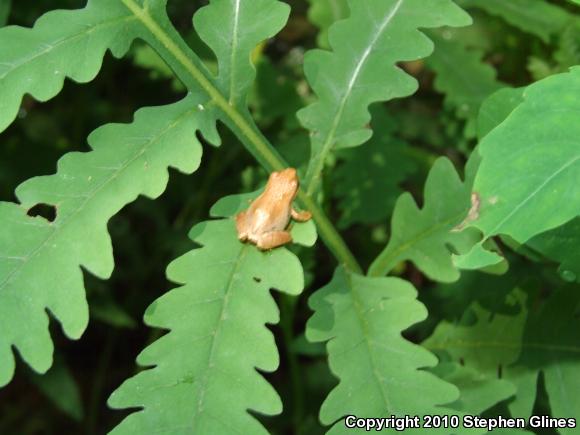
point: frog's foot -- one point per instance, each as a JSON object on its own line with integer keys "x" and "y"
{"x": 300, "y": 216}
{"x": 241, "y": 226}
{"x": 273, "y": 239}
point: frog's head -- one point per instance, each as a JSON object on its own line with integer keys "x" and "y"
{"x": 285, "y": 182}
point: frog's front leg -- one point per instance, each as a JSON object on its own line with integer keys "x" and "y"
{"x": 273, "y": 239}
{"x": 241, "y": 226}
{"x": 300, "y": 216}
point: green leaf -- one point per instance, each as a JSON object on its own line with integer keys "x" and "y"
{"x": 424, "y": 235}
{"x": 324, "y": 13}
{"x": 362, "y": 69}
{"x": 242, "y": 26}
{"x": 496, "y": 108}
{"x": 62, "y": 44}
{"x": 40, "y": 260}
{"x": 160, "y": 34}
{"x": 367, "y": 183}
{"x": 562, "y": 245}
{"x": 537, "y": 17}
{"x": 204, "y": 378}
{"x": 380, "y": 372}
{"x": 531, "y": 163}
{"x": 545, "y": 339}
{"x": 462, "y": 76}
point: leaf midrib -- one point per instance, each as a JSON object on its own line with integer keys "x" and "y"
{"x": 210, "y": 360}
{"x": 362, "y": 320}
{"x": 328, "y": 143}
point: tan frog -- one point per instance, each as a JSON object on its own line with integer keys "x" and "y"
{"x": 264, "y": 222}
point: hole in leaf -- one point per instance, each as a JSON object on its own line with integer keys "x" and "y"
{"x": 451, "y": 248}
{"x": 257, "y": 279}
{"x": 46, "y": 211}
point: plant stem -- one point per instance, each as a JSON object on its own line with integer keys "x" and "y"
{"x": 194, "y": 75}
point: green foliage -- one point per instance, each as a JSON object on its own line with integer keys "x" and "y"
{"x": 380, "y": 373}
{"x": 367, "y": 183}
{"x": 214, "y": 318}
{"x": 478, "y": 314}
{"x": 537, "y": 17}
{"x": 496, "y": 108}
{"x": 424, "y": 236}
{"x": 232, "y": 41}
{"x": 531, "y": 162}
{"x": 323, "y": 13}
{"x": 62, "y": 44}
{"x": 361, "y": 69}
{"x": 467, "y": 86}
{"x": 541, "y": 338}
{"x": 87, "y": 190}
{"x": 561, "y": 245}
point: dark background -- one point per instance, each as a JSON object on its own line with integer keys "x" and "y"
{"x": 147, "y": 235}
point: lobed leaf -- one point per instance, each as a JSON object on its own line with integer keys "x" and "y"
{"x": 425, "y": 236}
{"x": 232, "y": 29}
{"x": 531, "y": 163}
{"x": 61, "y": 44}
{"x": 464, "y": 79}
{"x": 205, "y": 377}
{"x": 380, "y": 372}
{"x": 40, "y": 261}
{"x": 362, "y": 69}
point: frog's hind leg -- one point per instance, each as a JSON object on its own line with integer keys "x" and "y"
{"x": 300, "y": 216}
{"x": 273, "y": 239}
{"x": 241, "y": 226}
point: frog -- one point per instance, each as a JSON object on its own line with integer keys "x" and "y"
{"x": 265, "y": 222}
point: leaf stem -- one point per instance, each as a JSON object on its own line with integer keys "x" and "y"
{"x": 173, "y": 49}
